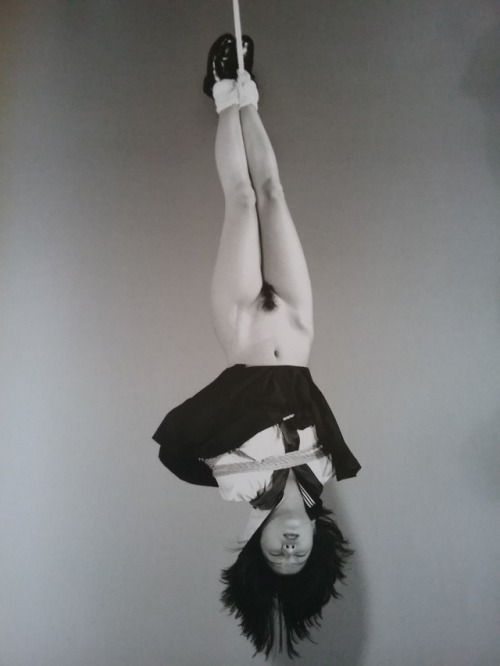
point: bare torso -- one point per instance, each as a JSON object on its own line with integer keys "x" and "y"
{"x": 260, "y": 337}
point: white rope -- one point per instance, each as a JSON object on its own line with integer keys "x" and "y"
{"x": 237, "y": 32}
{"x": 287, "y": 460}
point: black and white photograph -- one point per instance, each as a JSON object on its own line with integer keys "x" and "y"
{"x": 250, "y": 333}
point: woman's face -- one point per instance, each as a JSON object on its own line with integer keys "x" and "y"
{"x": 286, "y": 542}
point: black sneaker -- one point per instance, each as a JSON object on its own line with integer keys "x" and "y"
{"x": 231, "y": 63}
{"x": 247, "y": 43}
{"x": 220, "y": 62}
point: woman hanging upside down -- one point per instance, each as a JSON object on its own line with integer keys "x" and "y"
{"x": 262, "y": 431}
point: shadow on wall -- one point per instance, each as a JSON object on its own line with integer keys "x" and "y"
{"x": 481, "y": 81}
{"x": 481, "y": 458}
{"x": 342, "y": 635}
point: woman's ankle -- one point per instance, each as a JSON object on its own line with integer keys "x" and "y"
{"x": 247, "y": 90}
{"x": 225, "y": 94}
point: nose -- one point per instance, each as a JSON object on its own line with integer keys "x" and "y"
{"x": 289, "y": 547}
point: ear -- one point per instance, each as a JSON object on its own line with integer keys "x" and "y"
{"x": 314, "y": 525}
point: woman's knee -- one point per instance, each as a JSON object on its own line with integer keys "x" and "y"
{"x": 270, "y": 190}
{"x": 241, "y": 195}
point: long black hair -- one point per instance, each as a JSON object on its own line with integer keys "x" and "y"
{"x": 271, "y": 607}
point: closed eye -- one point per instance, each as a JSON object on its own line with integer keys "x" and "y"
{"x": 281, "y": 555}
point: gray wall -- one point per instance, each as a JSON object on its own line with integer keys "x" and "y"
{"x": 386, "y": 118}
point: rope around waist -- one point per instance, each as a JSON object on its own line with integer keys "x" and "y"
{"x": 285, "y": 461}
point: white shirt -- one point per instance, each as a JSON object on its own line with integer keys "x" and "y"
{"x": 245, "y": 486}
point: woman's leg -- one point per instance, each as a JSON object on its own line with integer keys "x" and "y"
{"x": 283, "y": 262}
{"x": 237, "y": 279}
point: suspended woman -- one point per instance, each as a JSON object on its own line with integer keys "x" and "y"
{"x": 262, "y": 431}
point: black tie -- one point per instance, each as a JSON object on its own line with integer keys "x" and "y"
{"x": 309, "y": 485}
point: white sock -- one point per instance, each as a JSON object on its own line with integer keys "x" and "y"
{"x": 247, "y": 90}
{"x": 225, "y": 94}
